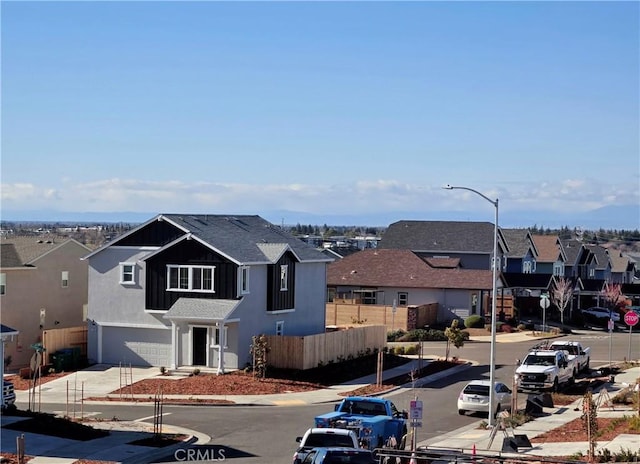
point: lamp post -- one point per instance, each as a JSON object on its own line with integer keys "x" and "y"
{"x": 494, "y": 290}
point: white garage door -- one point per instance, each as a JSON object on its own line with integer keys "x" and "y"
{"x": 138, "y": 347}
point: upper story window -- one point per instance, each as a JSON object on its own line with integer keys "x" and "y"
{"x": 190, "y": 278}
{"x": 65, "y": 279}
{"x": 592, "y": 272}
{"x": 244, "y": 280}
{"x": 284, "y": 273}
{"x": 526, "y": 267}
{"x": 3, "y": 283}
{"x": 558, "y": 269}
{"x": 403, "y": 298}
{"x": 127, "y": 273}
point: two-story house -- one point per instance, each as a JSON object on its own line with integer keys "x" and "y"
{"x": 192, "y": 290}
{"x": 43, "y": 285}
{"x": 551, "y": 256}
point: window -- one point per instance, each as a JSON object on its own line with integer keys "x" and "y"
{"x": 127, "y": 273}
{"x": 280, "y": 328}
{"x": 216, "y": 336}
{"x": 403, "y": 298}
{"x": 369, "y": 297}
{"x": 558, "y": 269}
{"x": 65, "y": 279}
{"x": 592, "y": 272}
{"x": 526, "y": 267}
{"x": 3, "y": 283}
{"x": 244, "y": 280}
{"x": 190, "y": 278}
{"x": 474, "y": 303}
{"x": 284, "y": 271}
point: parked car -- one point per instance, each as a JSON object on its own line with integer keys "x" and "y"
{"x": 324, "y": 437}
{"x": 474, "y": 397}
{"x": 599, "y": 316}
{"x": 334, "y": 455}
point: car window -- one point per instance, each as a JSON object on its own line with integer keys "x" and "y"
{"x": 476, "y": 390}
{"x": 328, "y": 439}
{"x": 310, "y": 457}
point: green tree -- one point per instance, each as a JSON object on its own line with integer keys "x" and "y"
{"x": 454, "y": 336}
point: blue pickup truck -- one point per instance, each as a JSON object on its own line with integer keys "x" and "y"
{"x": 376, "y": 421}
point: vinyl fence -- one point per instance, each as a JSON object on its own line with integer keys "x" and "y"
{"x": 290, "y": 352}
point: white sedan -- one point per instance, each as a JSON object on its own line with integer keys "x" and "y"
{"x": 474, "y": 397}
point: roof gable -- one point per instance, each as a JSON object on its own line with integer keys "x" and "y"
{"x": 21, "y": 251}
{"x": 549, "y": 248}
{"x": 520, "y": 243}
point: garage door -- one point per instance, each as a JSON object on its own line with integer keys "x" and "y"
{"x": 138, "y": 347}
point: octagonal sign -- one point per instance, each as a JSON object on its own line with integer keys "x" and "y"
{"x": 631, "y": 318}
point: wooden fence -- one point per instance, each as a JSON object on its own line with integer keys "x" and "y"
{"x": 291, "y": 352}
{"x": 58, "y": 339}
{"x": 344, "y": 312}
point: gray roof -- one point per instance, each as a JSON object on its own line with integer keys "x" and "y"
{"x": 602, "y": 258}
{"x": 246, "y": 239}
{"x": 200, "y": 309}
{"x": 519, "y": 241}
{"x": 439, "y": 236}
{"x": 572, "y": 249}
{"x": 6, "y": 331}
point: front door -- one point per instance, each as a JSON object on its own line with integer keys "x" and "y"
{"x": 199, "y": 346}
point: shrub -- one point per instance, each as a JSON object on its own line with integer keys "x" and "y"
{"x": 474, "y": 322}
{"x": 522, "y": 327}
{"x": 506, "y": 328}
{"x": 398, "y": 350}
{"x": 412, "y": 349}
{"x": 394, "y": 335}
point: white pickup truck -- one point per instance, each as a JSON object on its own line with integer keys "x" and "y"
{"x": 581, "y": 354}
{"x": 545, "y": 370}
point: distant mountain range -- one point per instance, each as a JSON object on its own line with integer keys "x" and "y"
{"x": 625, "y": 217}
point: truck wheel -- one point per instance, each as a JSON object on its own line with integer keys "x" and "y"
{"x": 461, "y": 412}
{"x": 403, "y": 440}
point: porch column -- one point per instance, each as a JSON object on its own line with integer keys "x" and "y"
{"x": 99, "y": 336}
{"x": 221, "y": 344}
{"x": 174, "y": 345}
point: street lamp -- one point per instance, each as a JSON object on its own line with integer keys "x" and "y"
{"x": 492, "y": 360}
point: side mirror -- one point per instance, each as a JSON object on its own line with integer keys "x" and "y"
{"x": 336, "y": 407}
{"x": 298, "y": 439}
{"x": 405, "y": 414}
{"x": 582, "y": 353}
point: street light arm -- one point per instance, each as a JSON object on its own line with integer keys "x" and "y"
{"x": 451, "y": 187}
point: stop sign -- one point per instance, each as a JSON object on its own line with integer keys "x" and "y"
{"x": 631, "y": 318}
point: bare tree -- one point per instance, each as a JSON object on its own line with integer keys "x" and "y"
{"x": 561, "y": 294}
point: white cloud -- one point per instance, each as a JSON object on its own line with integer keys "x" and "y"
{"x": 359, "y": 197}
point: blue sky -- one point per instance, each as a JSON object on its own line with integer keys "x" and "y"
{"x": 350, "y": 108}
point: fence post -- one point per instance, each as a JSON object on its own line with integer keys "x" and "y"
{"x": 20, "y": 448}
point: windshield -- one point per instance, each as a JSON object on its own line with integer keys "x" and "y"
{"x": 328, "y": 439}
{"x": 364, "y": 408}
{"x": 537, "y": 360}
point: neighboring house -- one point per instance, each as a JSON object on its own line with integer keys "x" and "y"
{"x": 380, "y": 276}
{"x": 602, "y": 268}
{"x": 470, "y": 242}
{"x": 622, "y": 268}
{"x": 43, "y": 285}
{"x": 551, "y": 256}
{"x": 192, "y": 290}
{"x": 577, "y": 257}
{"x": 522, "y": 254}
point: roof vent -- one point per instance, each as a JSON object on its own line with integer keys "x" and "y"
{"x": 354, "y": 272}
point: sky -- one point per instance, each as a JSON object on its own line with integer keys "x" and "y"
{"x": 352, "y": 109}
